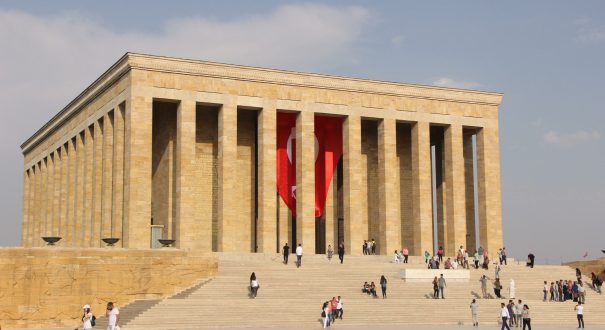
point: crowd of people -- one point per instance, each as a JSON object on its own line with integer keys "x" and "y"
{"x": 331, "y": 310}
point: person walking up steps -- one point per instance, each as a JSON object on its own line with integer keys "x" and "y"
{"x": 286, "y": 253}
{"x": 341, "y": 252}
{"x": 435, "y": 288}
{"x": 330, "y": 253}
{"x": 483, "y": 281}
{"x": 299, "y": 254}
{"x": 580, "y": 314}
{"x": 383, "y": 286}
{"x": 475, "y": 313}
{"x": 505, "y": 316}
{"x": 526, "y": 317}
{"x": 442, "y": 286}
{"x": 518, "y": 313}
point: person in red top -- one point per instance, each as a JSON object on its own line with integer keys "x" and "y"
{"x": 440, "y": 254}
{"x": 406, "y": 253}
{"x": 334, "y": 309}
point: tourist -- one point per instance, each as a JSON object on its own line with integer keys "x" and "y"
{"x": 113, "y": 316}
{"x": 365, "y": 288}
{"x": 530, "y": 260}
{"x": 364, "y": 248}
{"x": 448, "y": 264}
{"x": 465, "y": 260}
{"x": 474, "y": 313}
{"x": 503, "y": 256}
{"x": 500, "y": 256}
{"x": 480, "y": 252}
{"x": 434, "y": 264}
{"x": 253, "y": 285}
{"x": 511, "y": 306}
{"x": 581, "y": 294}
{"x": 373, "y": 246}
{"x": 505, "y": 315}
{"x": 373, "y": 290}
{"x": 579, "y": 275}
{"x": 566, "y": 291}
{"x": 596, "y": 282}
{"x": 339, "y": 308}
{"x": 545, "y": 290}
{"x": 427, "y": 257}
{"x": 497, "y": 270}
{"x": 483, "y": 281}
{"x": 526, "y": 317}
{"x": 87, "y": 318}
{"x": 406, "y": 254}
{"x": 330, "y": 253}
{"x": 333, "y": 309}
{"x": 518, "y": 313}
{"x": 369, "y": 247}
{"x": 324, "y": 314}
{"x": 299, "y": 254}
{"x": 341, "y": 252}
{"x": 442, "y": 286}
{"x": 286, "y": 253}
{"x": 580, "y": 314}
{"x": 497, "y": 288}
{"x": 397, "y": 258}
{"x": 485, "y": 261}
{"x": 440, "y": 254}
{"x": 383, "y": 286}
{"x": 552, "y": 291}
{"x": 476, "y": 257}
{"x": 511, "y": 289}
{"x": 435, "y": 288}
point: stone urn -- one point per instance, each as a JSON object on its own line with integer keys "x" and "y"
{"x": 110, "y": 241}
{"x": 51, "y": 240}
{"x": 166, "y": 242}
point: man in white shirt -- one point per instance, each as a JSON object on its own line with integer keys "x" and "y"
{"x": 545, "y": 290}
{"x": 580, "y": 313}
{"x": 505, "y": 316}
{"x": 113, "y": 316}
{"x": 475, "y": 313}
{"x": 299, "y": 253}
{"x": 339, "y": 308}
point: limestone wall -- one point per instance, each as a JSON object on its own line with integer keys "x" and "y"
{"x": 46, "y": 287}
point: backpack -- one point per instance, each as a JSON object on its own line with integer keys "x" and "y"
{"x": 93, "y": 321}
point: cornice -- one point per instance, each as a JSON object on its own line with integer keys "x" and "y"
{"x": 255, "y": 74}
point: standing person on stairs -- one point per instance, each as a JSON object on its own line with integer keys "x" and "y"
{"x": 505, "y": 316}
{"x": 341, "y": 252}
{"x": 526, "y": 317}
{"x": 475, "y": 313}
{"x": 330, "y": 253}
{"x": 442, "y": 286}
{"x": 339, "y": 308}
{"x": 113, "y": 316}
{"x": 299, "y": 254}
{"x": 286, "y": 252}
{"x": 253, "y": 285}
{"x": 383, "y": 286}
{"x": 580, "y": 313}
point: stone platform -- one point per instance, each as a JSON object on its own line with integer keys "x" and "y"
{"x": 427, "y": 275}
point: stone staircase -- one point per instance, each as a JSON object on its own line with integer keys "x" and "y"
{"x": 291, "y": 297}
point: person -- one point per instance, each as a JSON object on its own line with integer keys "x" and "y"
{"x": 505, "y": 316}
{"x": 330, "y": 253}
{"x": 427, "y": 257}
{"x": 476, "y": 257}
{"x": 113, "y": 316}
{"x": 333, "y": 309}
{"x": 373, "y": 246}
{"x": 474, "y": 313}
{"x": 253, "y": 285}
{"x": 503, "y": 256}
{"x": 363, "y": 247}
{"x": 365, "y": 288}
{"x": 397, "y": 257}
{"x": 483, "y": 281}
{"x": 465, "y": 260}
{"x": 442, "y": 286}
{"x": 299, "y": 254}
{"x": 433, "y": 264}
{"x": 369, "y": 247}
{"x": 286, "y": 252}
{"x": 324, "y": 314}
{"x": 580, "y": 314}
{"x": 511, "y": 289}
{"x": 440, "y": 254}
{"x": 339, "y": 308}
{"x": 373, "y": 290}
{"x": 579, "y": 275}
{"x": 341, "y": 252}
{"x": 530, "y": 260}
{"x": 435, "y": 288}
{"x": 511, "y": 306}
{"x": 545, "y": 290}
{"x": 448, "y": 264}
{"x": 497, "y": 288}
{"x": 500, "y": 256}
{"x": 406, "y": 254}
{"x": 552, "y": 291}
{"x": 497, "y": 271}
{"x": 480, "y": 252}
{"x": 383, "y": 286}
{"x": 485, "y": 261}
{"x": 526, "y": 317}
{"x": 518, "y": 313}
{"x": 581, "y": 294}
{"x": 87, "y": 318}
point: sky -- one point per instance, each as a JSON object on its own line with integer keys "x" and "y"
{"x": 547, "y": 57}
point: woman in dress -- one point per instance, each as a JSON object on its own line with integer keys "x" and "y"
{"x": 383, "y": 286}
{"x": 330, "y": 252}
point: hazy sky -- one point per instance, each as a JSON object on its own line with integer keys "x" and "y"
{"x": 547, "y": 57}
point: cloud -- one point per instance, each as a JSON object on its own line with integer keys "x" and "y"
{"x": 572, "y": 139}
{"x": 588, "y": 33}
{"x": 46, "y": 61}
{"x": 449, "y": 82}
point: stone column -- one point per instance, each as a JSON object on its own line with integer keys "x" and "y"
{"x": 50, "y": 194}
{"x": 25, "y": 217}
{"x": 227, "y": 158}
{"x": 469, "y": 190}
{"x": 88, "y": 188}
{"x": 37, "y": 212}
{"x": 388, "y": 188}
{"x": 107, "y": 199}
{"x": 266, "y": 228}
{"x": 97, "y": 205}
{"x": 305, "y": 181}
{"x": 79, "y": 193}
{"x": 137, "y": 182}
{"x": 71, "y": 198}
{"x": 118, "y": 172}
{"x": 64, "y": 191}
{"x": 56, "y": 226}
{"x": 354, "y": 230}
{"x": 488, "y": 172}
{"x": 421, "y": 196}
{"x": 187, "y": 229}
{"x": 455, "y": 202}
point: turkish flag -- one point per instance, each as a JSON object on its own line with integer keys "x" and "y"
{"x": 328, "y": 150}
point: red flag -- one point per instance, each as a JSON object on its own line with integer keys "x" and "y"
{"x": 328, "y": 150}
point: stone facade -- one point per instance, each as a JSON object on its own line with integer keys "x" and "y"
{"x": 47, "y": 287}
{"x": 190, "y": 145}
